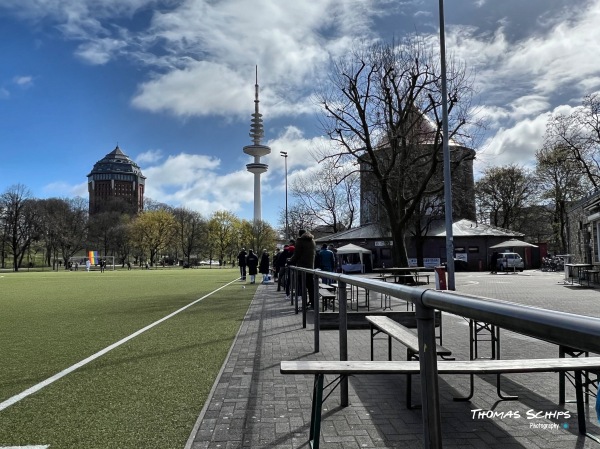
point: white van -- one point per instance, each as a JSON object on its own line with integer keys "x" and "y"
{"x": 510, "y": 261}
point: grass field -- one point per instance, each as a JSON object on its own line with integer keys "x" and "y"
{"x": 146, "y": 393}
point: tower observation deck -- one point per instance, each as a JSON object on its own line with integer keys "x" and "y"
{"x": 257, "y": 150}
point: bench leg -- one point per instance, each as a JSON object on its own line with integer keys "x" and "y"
{"x": 579, "y": 386}
{"x": 317, "y": 406}
{"x": 499, "y": 393}
{"x": 409, "y": 356}
{"x": 471, "y": 391}
{"x": 372, "y": 338}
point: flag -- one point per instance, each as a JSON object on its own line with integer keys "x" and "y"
{"x": 93, "y": 256}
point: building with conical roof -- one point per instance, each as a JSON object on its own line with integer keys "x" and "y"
{"x": 116, "y": 182}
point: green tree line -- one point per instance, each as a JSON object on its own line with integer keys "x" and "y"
{"x": 51, "y": 231}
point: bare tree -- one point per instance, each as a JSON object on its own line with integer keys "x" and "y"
{"x": 329, "y": 194}
{"x": 21, "y": 221}
{"x": 558, "y": 175}
{"x": 384, "y": 109}
{"x": 504, "y": 194}
{"x": 299, "y": 217}
{"x": 578, "y": 134}
{"x": 65, "y": 225}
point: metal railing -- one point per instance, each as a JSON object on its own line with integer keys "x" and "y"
{"x": 561, "y": 328}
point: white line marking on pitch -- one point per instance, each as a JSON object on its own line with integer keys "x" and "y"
{"x": 45, "y": 446}
{"x": 16, "y": 398}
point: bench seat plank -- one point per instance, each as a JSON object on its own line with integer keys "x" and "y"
{"x": 352, "y": 367}
{"x": 402, "y": 334}
{"x": 345, "y": 368}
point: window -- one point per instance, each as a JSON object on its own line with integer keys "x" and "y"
{"x": 473, "y": 249}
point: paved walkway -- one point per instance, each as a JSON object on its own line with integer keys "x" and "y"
{"x": 254, "y": 406}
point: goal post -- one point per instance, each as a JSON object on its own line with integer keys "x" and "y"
{"x": 79, "y": 263}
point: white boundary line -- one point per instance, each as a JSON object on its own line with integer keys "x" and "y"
{"x": 93, "y": 357}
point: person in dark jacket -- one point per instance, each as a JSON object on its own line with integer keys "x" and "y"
{"x": 494, "y": 262}
{"x": 242, "y": 264}
{"x": 327, "y": 260}
{"x": 263, "y": 268}
{"x": 252, "y": 263}
{"x": 281, "y": 267}
{"x": 304, "y": 256}
{"x": 274, "y": 263}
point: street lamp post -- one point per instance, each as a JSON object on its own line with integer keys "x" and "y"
{"x": 446, "y": 152}
{"x": 287, "y": 228}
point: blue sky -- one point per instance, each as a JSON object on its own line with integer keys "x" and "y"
{"x": 172, "y": 83}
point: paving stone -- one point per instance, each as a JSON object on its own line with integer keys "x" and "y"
{"x": 254, "y": 406}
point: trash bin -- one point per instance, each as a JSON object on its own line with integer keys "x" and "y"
{"x": 440, "y": 278}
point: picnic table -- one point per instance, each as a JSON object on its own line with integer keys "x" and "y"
{"x": 407, "y": 273}
{"x": 580, "y": 268}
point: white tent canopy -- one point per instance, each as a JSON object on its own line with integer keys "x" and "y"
{"x": 513, "y": 243}
{"x": 353, "y": 249}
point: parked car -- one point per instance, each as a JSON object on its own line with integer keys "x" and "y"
{"x": 510, "y": 261}
{"x": 459, "y": 265}
{"x": 209, "y": 262}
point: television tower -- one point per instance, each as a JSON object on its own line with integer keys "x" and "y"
{"x": 257, "y": 150}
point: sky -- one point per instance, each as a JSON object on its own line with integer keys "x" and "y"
{"x": 171, "y": 82}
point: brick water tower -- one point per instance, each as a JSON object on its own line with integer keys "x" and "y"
{"x": 116, "y": 183}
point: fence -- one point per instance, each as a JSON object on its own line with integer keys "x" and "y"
{"x": 561, "y": 328}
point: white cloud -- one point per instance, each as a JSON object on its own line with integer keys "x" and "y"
{"x": 62, "y": 189}
{"x": 4, "y": 93}
{"x": 201, "y": 89}
{"x": 100, "y": 51}
{"x": 204, "y": 52}
{"x": 194, "y": 182}
{"x": 516, "y": 144}
{"x": 520, "y": 81}
{"x": 149, "y": 157}
{"x": 23, "y": 81}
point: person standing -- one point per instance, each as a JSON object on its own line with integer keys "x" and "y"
{"x": 252, "y": 263}
{"x": 304, "y": 257}
{"x": 494, "y": 262}
{"x": 291, "y": 249}
{"x": 327, "y": 259}
{"x": 281, "y": 267}
{"x": 264, "y": 265}
{"x": 275, "y": 266}
{"x": 242, "y": 264}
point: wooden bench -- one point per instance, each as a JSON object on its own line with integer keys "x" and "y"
{"x": 402, "y": 334}
{"x": 348, "y": 368}
{"x": 326, "y": 296}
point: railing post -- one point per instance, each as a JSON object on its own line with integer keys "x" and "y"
{"x": 430, "y": 399}
{"x": 292, "y": 281}
{"x": 316, "y": 312}
{"x": 343, "y": 322}
{"x": 303, "y": 292}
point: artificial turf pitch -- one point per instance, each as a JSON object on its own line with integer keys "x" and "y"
{"x": 146, "y": 393}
